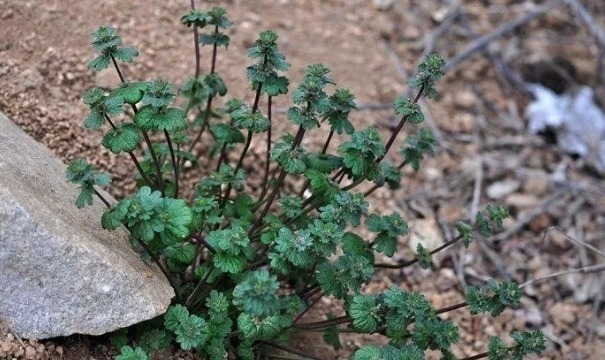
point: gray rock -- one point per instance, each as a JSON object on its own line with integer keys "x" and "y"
{"x": 60, "y": 272}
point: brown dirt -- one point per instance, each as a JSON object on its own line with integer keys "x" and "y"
{"x": 44, "y": 49}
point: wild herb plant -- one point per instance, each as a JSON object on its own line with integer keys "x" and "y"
{"x": 248, "y": 265}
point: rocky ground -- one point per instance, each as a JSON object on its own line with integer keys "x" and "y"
{"x": 485, "y": 153}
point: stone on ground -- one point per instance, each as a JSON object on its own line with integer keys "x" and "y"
{"x": 60, "y": 272}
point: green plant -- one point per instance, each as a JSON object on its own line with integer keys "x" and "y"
{"x": 248, "y": 265}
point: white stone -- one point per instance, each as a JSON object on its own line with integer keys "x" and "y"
{"x": 60, "y": 272}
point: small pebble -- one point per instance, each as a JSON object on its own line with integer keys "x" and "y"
{"x": 503, "y": 188}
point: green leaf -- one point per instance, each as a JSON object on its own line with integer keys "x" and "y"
{"x": 217, "y": 38}
{"x": 131, "y": 93}
{"x": 346, "y": 208}
{"x": 227, "y": 134}
{"x": 346, "y": 275}
{"x": 195, "y": 17}
{"x": 506, "y": 294}
{"x": 158, "y": 93}
{"x": 154, "y": 340}
{"x": 217, "y": 304}
{"x": 429, "y": 72}
{"x": 99, "y": 63}
{"x": 303, "y": 117}
{"x": 256, "y": 295}
{"x": 497, "y": 349}
{"x": 466, "y": 231}
{"x": 388, "y": 229}
{"x": 361, "y": 152}
{"x": 294, "y": 247}
{"x": 405, "y": 107}
{"x": 128, "y": 353}
{"x": 341, "y": 104}
{"x": 417, "y": 146}
{"x": 191, "y": 331}
{"x": 177, "y": 217}
{"x": 233, "y": 264}
{"x": 293, "y": 160}
{"x": 365, "y": 313}
{"x": 215, "y": 85}
{"x": 435, "y": 333}
{"x": 150, "y": 118}
{"x": 105, "y": 38}
{"x": 184, "y": 253}
{"x": 424, "y": 257}
{"x": 94, "y": 120}
{"x": 324, "y": 163}
{"x": 82, "y": 173}
{"x": 175, "y": 316}
{"x": 368, "y": 352}
{"x": 218, "y": 16}
{"x": 245, "y": 118}
{"x": 332, "y": 335}
{"x": 126, "y": 54}
{"x": 528, "y": 342}
{"x": 124, "y": 138}
{"x": 85, "y": 197}
{"x": 93, "y": 96}
{"x": 274, "y": 85}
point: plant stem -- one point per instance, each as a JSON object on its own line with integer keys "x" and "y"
{"x": 280, "y": 180}
{"x": 246, "y": 146}
{"x": 133, "y": 158}
{"x": 307, "y": 309}
{"x": 197, "y": 288}
{"x": 292, "y": 351}
{"x": 323, "y": 324}
{"x": 210, "y": 97}
{"x": 451, "y": 308}
{"x": 323, "y": 151}
{"x": 412, "y": 262}
{"x": 156, "y": 163}
{"x": 397, "y": 130}
{"x": 156, "y": 260}
{"x": 102, "y": 198}
{"x": 115, "y": 65}
{"x": 203, "y": 241}
{"x": 197, "y": 45}
{"x": 375, "y": 187}
{"x": 268, "y": 158}
{"x": 175, "y": 163}
{"x": 476, "y": 357}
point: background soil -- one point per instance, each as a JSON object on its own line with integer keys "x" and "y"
{"x": 484, "y": 155}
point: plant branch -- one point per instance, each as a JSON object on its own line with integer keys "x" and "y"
{"x": 246, "y": 146}
{"x": 156, "y": 163}
{"x": 412, "y": 262}
{"x": 132, "y": 157}
{"x": 397, "y": 130}
{"x": 175, "y": 163}
{"x": 290, "y": 350}
{"x": 197, "y": 44}
{"x": 102, "y": 198}
{"x": 265, "y": 182}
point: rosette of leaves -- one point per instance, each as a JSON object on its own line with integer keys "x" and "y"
{"x": 101, "y": 107}
{"x": 269, "y": 60}
{"x": 163, "y": 223}
{"x": 157, "y": 115}
{"x": 82, "y": 173}
{"x": 311, "y": 98}
{"x": 361, "y": 152}
{"x": 107, "y": 42}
